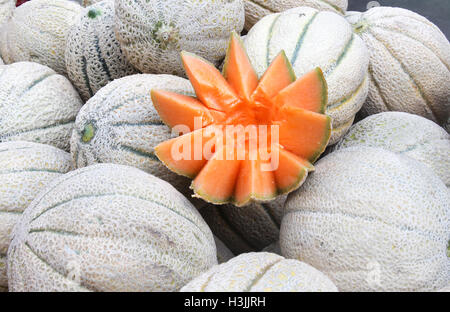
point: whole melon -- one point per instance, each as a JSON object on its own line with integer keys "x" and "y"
{"x": 93, "y": 55}
{"x": 153, "y": 33}
{"x": 244, "y": 229}
{"x": 109, "y": 228}
{"x": 37, "y": 32}
{"x": 25, "y": 169}
{"x": 6, "y": 10}
{"x": 120, "y": 125}
{"x": 372, "y": 220}
{"x": 36, "y": 104}
{"x": 257, "y": 9}
{"x": 407, "y": 134}
{"x": 223, "y": 253}
{"x": 261, "y": 272}
{"x": 409, "y": 63}
{"x": 311, "y": 39}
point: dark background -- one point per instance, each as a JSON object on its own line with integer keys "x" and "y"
{"x": 437, "y": 11}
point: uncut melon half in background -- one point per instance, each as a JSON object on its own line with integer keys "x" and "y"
{"x": 153, "y": 33}
{"x": 409, "y": 63}
{"x": 229, "y": 142}
{"x": 25, "y": 169}
{"x": 37, "y": 33}
{"x": 372, "y": 220}
{"x": 120, "y": 125}
{"x": 407, "y": 134}
{"x": 36, "y": 104}
{"x": 312, "y": 39}
{"x": 109, "y": 228}
{"x": 6, "y": 10}
{"x": 261, "y": 272}
{"x": 257, "y": 9}
{"x": 93, "y": 55}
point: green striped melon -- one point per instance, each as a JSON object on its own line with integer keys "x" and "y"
{"x": 153, "y": 33}
{"x": 120, "y": 125}
{"x": 261, "y": 272}
{"x": 37, "y": 33}
{"x": 6, "y": 10}
{"x": 257, "y": 9}
{"x": 372, "y": 220}
{"x": 109, "y": 228}
{"x": 407, "y": 134}
{"x": 93, "y": 55}
{"x": 36, "y": 104}
{"x": 311, "y": 39}
{"x": 223, "y": 253}
{"x": 409, "y": 63}
{"x": 25, "y": 169}
{"x": 244, "y": 229}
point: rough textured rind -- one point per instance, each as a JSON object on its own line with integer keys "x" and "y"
{"x": 244, "y": 229}
{"x": 37, "y": 33}
{"x": 372, "y": 220}
{"x": 223, "y": 253}
{"x": 153, "y": 33}
{"x": 109, "y": 228}
{"x": 407, "y": 134}
{"x": 25, "y": 169}
{"x": 313, "y": 39}
{"x": 6, "y": 10}
{"x": 93, "y": 55}
{"x": 36, "y": 104}
{"x": 125, "y": 125}
{"x": 261, "y": 271}
{"x": 409, "y": 63}
{"x": 257, "y": 9}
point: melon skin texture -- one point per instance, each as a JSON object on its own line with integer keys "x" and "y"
{"x": 223, "y": 253}
{"x": 93, "y": 55}
{"x": 37, "y": 104}
{"x": 6, "y": 10}
{"x": 313, "y": 39}
{"x": 37, "y": 33}
{"x": 109, "y": 228}
{"x": 244, "y": 229}
{"x": 153, "y": 33}
{"x": 25, "y": 169}
{"x": 407, "y": 134}
{"x": 372, "y": 220}
{"x": 257, "y": 9}
{"x": 409, "y": 63}
{"x": 261, "y": 272}
{"x": 120, "y": 125}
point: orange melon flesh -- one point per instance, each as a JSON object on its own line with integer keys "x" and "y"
{"x": 178, "y": 109}
{"x": 210, "y": 86}
{"x": 308, "y": 92}
{"x": 254, "y": 183}
{"x": 216, "y": 181}
{"x": 238, "y": 70}
{"x": 184, "y": 155}
{"x": 304, "y": 133}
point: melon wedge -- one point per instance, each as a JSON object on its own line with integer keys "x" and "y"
{"x": 254, "y": 165}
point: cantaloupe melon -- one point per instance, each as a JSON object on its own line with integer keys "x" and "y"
{"x": 257, "y": 9}
{"x": 109, "y": 228}
{"x": 312, "y": 39}
{"x": 37, "y": 32}
{"x": 261, "y": 272}
{"x": 36, "y": 104}
{"x": 244, "y": 229}
{"x": 409, "y": 63}
{"x": 259, "y": 136}
{"x": 6, "y": 10}
{"x": 93, "y": 55}
{"x": 372, "y": 220}
{"x": 25, "y": 169}
{"x": 223, "y": 253}
{"x": 407, "y": 134}
{"x": 153, "y": 33}
{"x": 120, "y": 125}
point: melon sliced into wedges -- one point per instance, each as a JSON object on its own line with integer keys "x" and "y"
{"x": 273, "y": 163}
